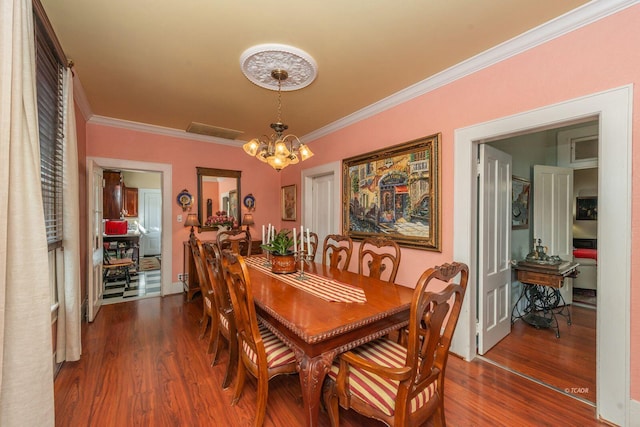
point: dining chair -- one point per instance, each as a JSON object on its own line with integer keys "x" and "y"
{"x": 314, "y": 243}
{"x": 337, "y": 251}
{"x": 224, "y": 325}
{"x": 262, "y": 353}
{"x": 238, "y": 241}
{"x": 377, "y": 256}
{"x": 208, "y": 305}
{"x": 397, "y": 385}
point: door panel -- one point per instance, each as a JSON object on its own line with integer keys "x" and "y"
{"x": 94, "y": 203}
{"x": 151, "y": 207}
{"x": 494, "y": 237}
{"x": 323, "y": 221}
{"x": 553, "y": 215}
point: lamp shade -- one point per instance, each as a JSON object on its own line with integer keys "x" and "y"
{"x": 247, "y": 219}
{"x": 192, "y": 220}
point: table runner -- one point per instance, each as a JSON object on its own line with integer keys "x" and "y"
{"x": 321, "y": 287}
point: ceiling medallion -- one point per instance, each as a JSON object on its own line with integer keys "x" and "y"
{"x": 259, "y": 61}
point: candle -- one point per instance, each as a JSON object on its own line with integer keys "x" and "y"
{"x": 308, "y": 243}
{"x": 263, "y": 242}
{"x": 295, "y": 241}
{"x": 301, "y": 238}
{"x": 268, "y": 233}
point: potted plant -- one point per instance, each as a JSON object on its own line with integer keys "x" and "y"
{"x": 282, "y": 258}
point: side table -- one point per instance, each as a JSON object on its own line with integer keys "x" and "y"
{"x": 543, "y": 301}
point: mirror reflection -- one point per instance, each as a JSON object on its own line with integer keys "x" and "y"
{"x": 218, "y": 198}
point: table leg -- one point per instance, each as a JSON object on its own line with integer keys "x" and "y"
{"x": 312, "y": 371}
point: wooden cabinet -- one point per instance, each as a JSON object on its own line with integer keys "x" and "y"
{"x": 130, "y": 201}
{"x": 112, "y": 195}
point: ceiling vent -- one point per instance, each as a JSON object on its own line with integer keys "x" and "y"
{"x": 203, "y": 129}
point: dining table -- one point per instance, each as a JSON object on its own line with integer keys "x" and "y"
{"x": 325, "y": 312}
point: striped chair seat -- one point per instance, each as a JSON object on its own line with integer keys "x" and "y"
{"x": 224, "y": 322}
{"x": 278, "y": 354}
{"x": 371, "y": 388}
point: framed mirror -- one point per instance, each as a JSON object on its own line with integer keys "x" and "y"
{"x": 218, "y": 198}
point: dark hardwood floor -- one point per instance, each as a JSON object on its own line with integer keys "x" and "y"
{"x": 143, "y": 365}
{"x": 567, "y": 363}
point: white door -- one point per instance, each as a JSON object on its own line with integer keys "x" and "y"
{"x": 94, "y": 262}
{"x": 321, "y": 206}
{"x": 553, "y": 215}
{"x": 494, "y": 240}
{"x": 150, "y": 204}
{"x": 323, "y": 221}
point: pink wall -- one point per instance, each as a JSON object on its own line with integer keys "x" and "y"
{"x": 184, "y": 156}
{"x": 592, "y": 59}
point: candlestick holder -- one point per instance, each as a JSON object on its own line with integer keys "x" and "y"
{"x": 304, "y": 257}
{"x": 267, "y": 261}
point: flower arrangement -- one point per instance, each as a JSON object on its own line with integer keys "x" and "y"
{"x": 221, "y": 218}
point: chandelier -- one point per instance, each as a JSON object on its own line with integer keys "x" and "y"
{"x": 277, "y": 150}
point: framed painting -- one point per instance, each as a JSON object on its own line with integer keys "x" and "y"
{"x": 587, "y": 208}
{"x": 520, "y": 189}
{"x": 288, "y": 201}
{"x": 395, "y": 192}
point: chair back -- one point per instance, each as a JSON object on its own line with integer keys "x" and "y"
{"x": 220, "y": 289}
{"x": 336, "y": 251}
{"x": 379, "y": 256}
{"x": 314, "y": 243}
{"x": 197, "y": 253}
{"x": 238, "y": 241}
{"x": 237, "y": 277}
{"x": 432, "y": 322}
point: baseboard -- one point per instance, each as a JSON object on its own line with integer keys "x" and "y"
{"x": 634, "y": 413}
{"x": 174, "y": 288}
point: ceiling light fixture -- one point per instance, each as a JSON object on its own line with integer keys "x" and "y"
{"x": 278, "y": 150}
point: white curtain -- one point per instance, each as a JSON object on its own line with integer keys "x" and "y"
{"x": 69, "y": 317}
{"x": 26, "y": 374}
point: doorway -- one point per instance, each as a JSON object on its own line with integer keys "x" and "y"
{"x": 613, "y": 108}
{"x": 165, "y": 170}
{"x": 142, "y": 210}
{"x": 320, "y": 190}
{"x": 557, "y": 366}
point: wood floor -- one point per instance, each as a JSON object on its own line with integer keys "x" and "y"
{"x": 567, "y": 363}
{"x": 143, "y": 365}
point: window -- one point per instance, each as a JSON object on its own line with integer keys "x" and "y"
{"x": 49, "y": 72}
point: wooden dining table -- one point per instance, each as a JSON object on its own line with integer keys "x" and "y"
{"x": 318, "y": 329}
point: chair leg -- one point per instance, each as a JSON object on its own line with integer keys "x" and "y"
{"x": 438, "y": 415}
{"x": 240, "y": 377}
{"x": 263, "y": 394}
{"x": 233, "y": 360}
{"x": 203, "y": 328}
{"x": 213, "y": 333}
{"x": 330, "y": 399}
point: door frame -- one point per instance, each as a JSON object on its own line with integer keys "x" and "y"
{"x": 307, "y": 176}
{"x": 165, "y": 169}
{"x": 613, "y": 108}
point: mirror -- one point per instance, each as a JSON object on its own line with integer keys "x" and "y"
{"x": 218, "y": 190}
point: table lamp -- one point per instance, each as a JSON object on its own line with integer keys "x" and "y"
{"x": 247, "y": 220}
{"x": 192, "y": 221}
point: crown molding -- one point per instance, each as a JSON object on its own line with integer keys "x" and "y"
{"x": 571, "y": 21}
{"x": 160, "y": 130}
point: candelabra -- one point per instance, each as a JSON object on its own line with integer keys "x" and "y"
{"x": 267, "y": 261}
{"x": 304, "y": 257}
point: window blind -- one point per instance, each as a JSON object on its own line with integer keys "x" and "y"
{"x": 50, "y": 122}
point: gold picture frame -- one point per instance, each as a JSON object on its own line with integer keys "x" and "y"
{"x": 288, "y": 196}
{"x": 395, "y": 192}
